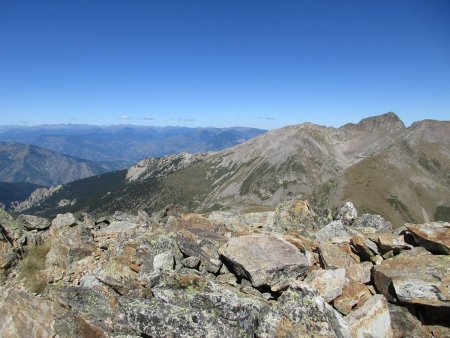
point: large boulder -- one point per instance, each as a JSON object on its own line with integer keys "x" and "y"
{"x": 434, "y": 236}
{"x": 264, "y": 260}
{"x": 415, "y": 279}
{"x": 337, "y": 256}
{"x": 353, "y": 295}
{"x": 404, "y": 324}
{"x": 371, "y": 320}
{"x": 301, "y": 312}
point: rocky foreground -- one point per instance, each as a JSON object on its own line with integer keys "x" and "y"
{"x": 295, "y": 272}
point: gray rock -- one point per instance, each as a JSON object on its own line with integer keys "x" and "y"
{"x": 264, "y": 260}
{"x": 347, "y": 213}
{"x": 64, "y": 220}
{"x": 164, "y": 261}
{"x": 359, "y": 272}
{"x": 214, "y": 312}
{"x": 371, "y": 320}
{"x": 421, "y": 279}
{"x": 373, "y": 221}
{"x": 328, "y": 283}
{"x": 32, "y": 222}
{"x": 301, "y": 312}
{"x": 191, "y": 262}
{"x": 333, "y": 229}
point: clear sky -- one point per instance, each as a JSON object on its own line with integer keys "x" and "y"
{"x": 223, "y": 63}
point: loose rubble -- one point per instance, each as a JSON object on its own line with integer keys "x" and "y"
{"x": 295, "y": 272}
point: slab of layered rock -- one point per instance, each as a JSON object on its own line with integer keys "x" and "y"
{"x": 264, "y": 260}
{"x": 371, "y": 320}
{"x": 420, "y": 279}
{"x": 434, "y": 236}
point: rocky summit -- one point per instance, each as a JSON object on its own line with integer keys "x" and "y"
{"x": 298, "y": 271}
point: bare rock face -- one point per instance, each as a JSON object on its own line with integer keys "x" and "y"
{"x": 329, "y": 283}
{"x": 371, "y": 320}
{"x": 301, "y": 312}
{"x": 420, "y": 279}
{"x": 264, "y": 260}
{"x": 434, "y": 236}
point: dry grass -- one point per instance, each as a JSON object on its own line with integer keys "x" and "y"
{"x": 31, "y": 266}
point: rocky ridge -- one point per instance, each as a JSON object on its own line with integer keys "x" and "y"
{"x": 297, "y": 271}
{"x": 381, "y": 165}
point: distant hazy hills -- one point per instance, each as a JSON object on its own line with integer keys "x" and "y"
{"x": 40, "y": 166}
{"x": 120, "y": 146}
{"x": 379, "y": 164}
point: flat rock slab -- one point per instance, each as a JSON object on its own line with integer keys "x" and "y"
{"x": 264, "y": 260}
{"x": 32, "y": 222}
{"x": 422, "y": 279}
{"x": 434, "y": 236}
{"x": 371, "y": 320}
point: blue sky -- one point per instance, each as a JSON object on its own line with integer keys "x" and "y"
{"x": 223, "y": 63}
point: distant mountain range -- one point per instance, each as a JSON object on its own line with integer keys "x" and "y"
{"x": 119, "y": 146}
{"x": 378, "y": 163}
{"x": 40, "y": 166}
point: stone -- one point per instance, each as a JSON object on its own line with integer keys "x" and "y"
{"x": 117, "y": 227}
{"x": 387, "y": 242}
{"x": 366, "y": 249}
{"x": 64, "y": 220}
{"x": 433, "y": 236}
{"x": 371, "y": 320}
{"x": 331, "y": 230}
{"x": 336, "y": 256}
{"x": 347, "y": 213}
{"x": 164, "y": 261}
{"x": 294, "y": 213}
{"x": 359, "y": 272}
{"x": 23, "y": 315}
{"x": 404, "y": 324}
{"x": 32, "y": 222}
{"x": 191, "y": 262}
{"x": 328, "y": 283}
{"x": 422, "y": 279}
{"x": 373, "y": 221}
{"x": 264, "y": 260}
{"x": 69, "y": 245}
{"x": 301, "y": 312}
{"x": 354, "y": 294}
{"x": 213, "y": 312}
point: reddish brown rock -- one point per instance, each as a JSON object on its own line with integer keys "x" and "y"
{"x": 353, "y": 295}
{"x": 359, "y": 272}
{"x": 434, "y": 236}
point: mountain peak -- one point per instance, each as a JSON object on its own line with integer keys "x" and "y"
{"x": 389, "y": 122}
